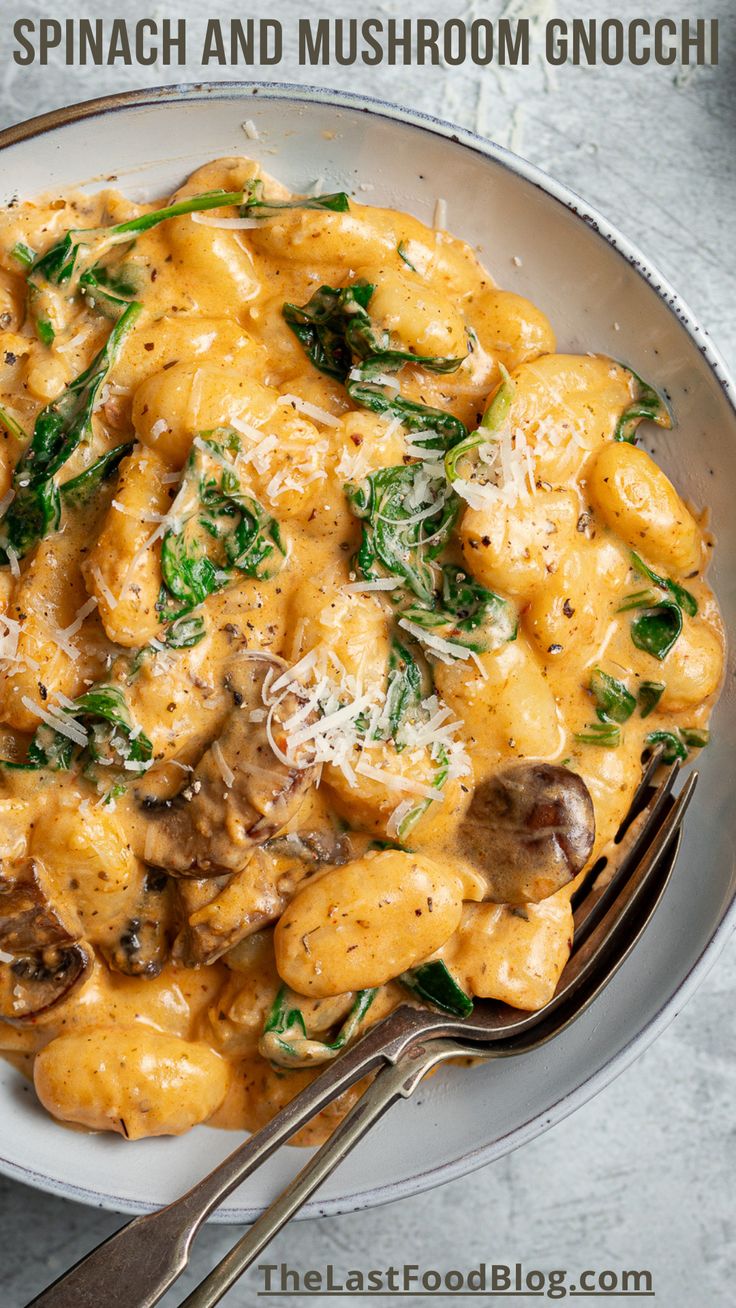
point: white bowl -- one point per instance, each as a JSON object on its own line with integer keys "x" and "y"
{"x": 602, "y": 295}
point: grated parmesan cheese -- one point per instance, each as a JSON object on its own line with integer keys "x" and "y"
{"x": 402, "y": 811}
{"x": 396, "y": 781}
{"x": 338, "y": 717}
{"x": 103, "y": 588}
{"x": 9, "y": 639}
{"x": 65, "y": 726}
{"x": 82, "y": 613}
{"x": 223, "y": 767}
{"x": 360, "y": 587}
{"x": 310, "y": 410}
{"x": 435, "y": 643}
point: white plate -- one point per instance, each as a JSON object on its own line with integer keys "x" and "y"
{"x": 587, "y": 277}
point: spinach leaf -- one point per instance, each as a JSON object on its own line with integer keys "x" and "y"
{"x": 695, "y": 737}
{"x": 372, "y": 395}
{"x": 61, "y": 426}
{"x": 34, "y": 512}
{"x": 674, "y": 747}
{"x": 403, "y": 709}
{"x": 46, "y": 333}
{"x": 465, "y": 613}
{"x": 404, "y": 691}
{"x": 401, "y": 251}
{"x": 111, "y": 738}
{"x": 639, "y": 599}
{"x": 442, "y": 772}
{"x": 79, "y": 490}
{"x": 606, "y": 734}
{"x": 186, "y": 632}
{"x": 183, "y": 633}
{"x": 338, "y": 336}
{"x": 613, "y": 701}
{"x": 255, "y": 205}
{"x": 59, "y": 263}
{"x": 221, "y": 532}
{"x": 648, "y": 403}
{"x": 655, "y": 630}
{"x": 677, "y": 744}
{"x": 58, "y": 430}
{"x": 321, "y": 326}
{"x": 679, "y": 594}
{"x": 492, "y": 421}
{"x": 407, "y": 519}
{"x": 286, "y": 1042}
{"x": 12, "y": 425}
{"x": 335, "y": 329}
{"x": 48, "y": 749}
{"x": 23, "y": 253}
{"x": 650, "y": 693}
{"x": 109, "y": 289}
{"x": 435, "y": 983}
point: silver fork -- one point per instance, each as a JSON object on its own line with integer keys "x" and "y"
{"x": 136, "y": 1265}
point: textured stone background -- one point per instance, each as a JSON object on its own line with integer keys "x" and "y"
{"x": 643, "y": 1175}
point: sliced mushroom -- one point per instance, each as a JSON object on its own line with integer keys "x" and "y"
{"x": 220, "y": 913}
{"x": 529, "y": 830}
{"x": 316, "y": 848}
{"x": 142, "y": 946}
{"x": 250, "y": 900}
{"x": 240, "y": 795}
{"x": 35, "y": 983}
{"x": 29, "y": 919}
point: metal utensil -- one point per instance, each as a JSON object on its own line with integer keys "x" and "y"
{"x": 136, "y": 1265}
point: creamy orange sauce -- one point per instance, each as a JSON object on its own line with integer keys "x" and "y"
{"x": 325, "y": 909}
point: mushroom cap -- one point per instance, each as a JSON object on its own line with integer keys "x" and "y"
{"x": 35, "y": 983}
{"x": 29, "y": 918}
{"x": 529, "y": 830}
{"x": 240, "y": 795}
{"x": 221, "y": 912}
{"x": 143, "y": 943}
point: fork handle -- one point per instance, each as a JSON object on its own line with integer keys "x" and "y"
{"x": 134, "y": 1267}
{"x": 397, "y": 1081}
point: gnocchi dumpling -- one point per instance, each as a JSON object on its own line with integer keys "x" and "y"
{"x": 123, "y": 570}
{"x": 362, "y": 924}
{"x": 637, "y": 501}
{"x": 132, "y": 1080}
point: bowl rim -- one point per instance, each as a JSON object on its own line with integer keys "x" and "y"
{"x": 241, "y": 90}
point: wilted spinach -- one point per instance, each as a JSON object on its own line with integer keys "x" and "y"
{"x": 407, "y": 519}
{"x": 434, "y": 983}
{"x": 59, "y": 428}
{"x": 614, "y": 703}
{"x": 648, "y": 403}
{"x": 339, "y": 337}
{"x": 219, "y": 532}
{"x": 286, "y": 1042}
{"x": 465, "y": 613}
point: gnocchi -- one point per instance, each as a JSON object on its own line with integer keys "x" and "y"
{"x": 325, "y": 581}
{"x": 132, "y": 1080}
{"x": 363, "y": 924}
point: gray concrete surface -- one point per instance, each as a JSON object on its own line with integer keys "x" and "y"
{"x": 642, "y": 1177}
